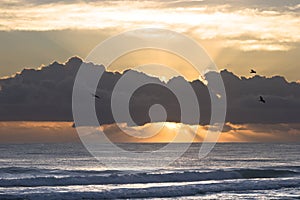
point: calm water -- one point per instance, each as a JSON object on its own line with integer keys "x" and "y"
{"x": 231, "y": 171}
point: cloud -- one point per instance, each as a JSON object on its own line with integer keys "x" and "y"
{"x": 37, "y": 132}
{"x": 48, "y": 132}
{"x": 152, "y": 132}
{"x": 274, "y": 5}
{"x": 204, "y": 19}
{"x": 46, "y": 95}
{"x": 281, "y": 132}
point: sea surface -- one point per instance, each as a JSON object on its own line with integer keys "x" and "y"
{"x": 230, "y": 171}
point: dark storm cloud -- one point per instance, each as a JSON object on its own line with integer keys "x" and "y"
{"x": 46, "y": 95}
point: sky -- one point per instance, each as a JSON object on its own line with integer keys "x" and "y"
{"x": 264, "y": 35}
{"x": 36, "y": 106}
{"x": 53, "y": 132}
{"x": 237, "y": 35}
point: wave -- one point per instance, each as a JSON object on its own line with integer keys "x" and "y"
{"x": 34, "y": 170}
{"x": 161, "y": 192}
{"x": 48, "y": 177}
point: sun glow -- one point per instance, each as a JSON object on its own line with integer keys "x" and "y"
{"x": 172, "y": 125}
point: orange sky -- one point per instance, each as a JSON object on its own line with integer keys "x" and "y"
{"x": 44, "y": 132}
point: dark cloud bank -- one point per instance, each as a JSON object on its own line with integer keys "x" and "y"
{"x": 46, "y": 95}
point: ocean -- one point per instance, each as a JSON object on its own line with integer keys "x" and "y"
{"x": 230, "y": 171}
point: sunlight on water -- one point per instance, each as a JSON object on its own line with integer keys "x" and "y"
{"x": 230, "y": 171}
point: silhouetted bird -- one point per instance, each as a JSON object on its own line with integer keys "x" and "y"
{"x": 96, "y": 96}
{"x": 261, "y": 99}
{"x": 252, "y": 71}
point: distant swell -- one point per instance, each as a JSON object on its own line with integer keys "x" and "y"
{"x": 46, "y": 177}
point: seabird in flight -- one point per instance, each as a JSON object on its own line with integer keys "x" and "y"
{"x": 96, "y": 96}
{"x": 261, "y": 99}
